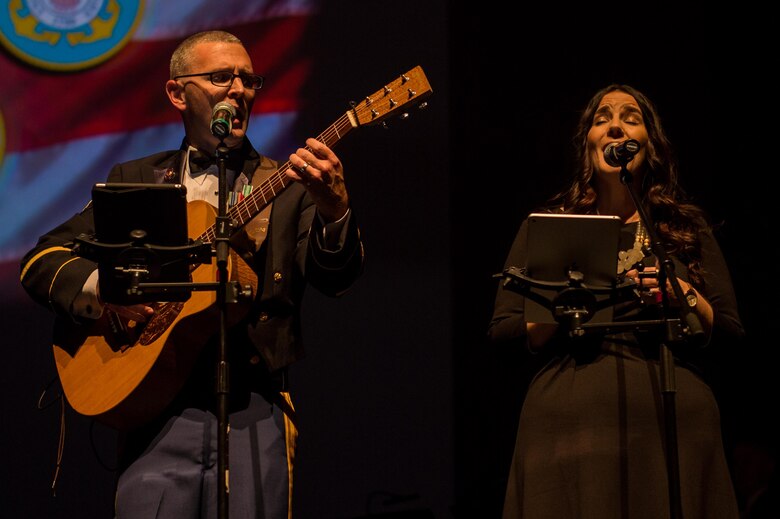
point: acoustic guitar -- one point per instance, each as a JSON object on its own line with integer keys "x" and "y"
{"x": 123, "y": 373}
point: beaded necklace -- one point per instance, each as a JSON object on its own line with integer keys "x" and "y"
{"x": 628, "y": 258}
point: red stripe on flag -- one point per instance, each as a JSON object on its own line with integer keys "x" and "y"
{"x": 127, "y": 93}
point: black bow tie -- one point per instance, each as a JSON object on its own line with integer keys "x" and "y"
{"x": 201, "y": 161}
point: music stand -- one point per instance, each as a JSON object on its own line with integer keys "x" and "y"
{"x": 141, "y": 243}
{"x": 568, "y": 252}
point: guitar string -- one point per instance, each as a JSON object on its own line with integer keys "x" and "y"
{"x": 278, "y": 180}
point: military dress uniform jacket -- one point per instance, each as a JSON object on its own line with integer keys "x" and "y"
{"x": 291, "y": 256}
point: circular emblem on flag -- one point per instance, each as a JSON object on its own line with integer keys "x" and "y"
{"x": 67, "y": 34}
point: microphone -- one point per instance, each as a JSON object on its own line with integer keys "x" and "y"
{"x": 222, "y": 119}
{"x": 620, "y": 153}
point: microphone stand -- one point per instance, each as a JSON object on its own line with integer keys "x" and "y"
{"x": 222, "y": 235}
{"x": 138, "y": 260}
{"x": 694, "y": 330}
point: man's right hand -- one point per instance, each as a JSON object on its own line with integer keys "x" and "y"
{"x": 139, "y": 313}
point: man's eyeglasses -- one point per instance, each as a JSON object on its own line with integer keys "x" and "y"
{"x": 224, "y": 78}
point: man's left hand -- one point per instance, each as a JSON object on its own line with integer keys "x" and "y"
{"x": 320, "y": 171}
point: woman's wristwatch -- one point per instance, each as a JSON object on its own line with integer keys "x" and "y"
{"x": 692, "y": 298}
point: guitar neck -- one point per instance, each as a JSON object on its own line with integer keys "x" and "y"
{"x": 262, "y": 195}
{"x": 408, "y": 89}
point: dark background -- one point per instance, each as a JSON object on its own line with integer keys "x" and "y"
{"x": 403, "y": 405}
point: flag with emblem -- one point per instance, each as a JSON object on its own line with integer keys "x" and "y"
{"x": 82, "y": 88}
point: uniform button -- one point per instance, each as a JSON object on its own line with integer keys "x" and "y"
{"x": 277, "y": 277}
{"x": 169, "y": 174}
{"x": 255, "y": 359}
{"x": 263, "y": 317}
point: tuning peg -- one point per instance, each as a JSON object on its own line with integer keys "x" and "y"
{"x": 423, "y": 105}
{"x": 404, "y": 116}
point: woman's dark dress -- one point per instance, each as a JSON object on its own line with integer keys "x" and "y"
{"x": 590, "y": 440}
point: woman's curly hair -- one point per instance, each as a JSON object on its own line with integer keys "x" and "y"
{"x": 677, "y": 220}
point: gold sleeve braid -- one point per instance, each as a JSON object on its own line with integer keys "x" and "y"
{"x": 39, "y": 256}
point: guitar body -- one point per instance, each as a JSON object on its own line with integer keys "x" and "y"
{"x": 125, "y": 373}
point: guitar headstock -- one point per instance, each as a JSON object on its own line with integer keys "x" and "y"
{"x": 395, "y": 98}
